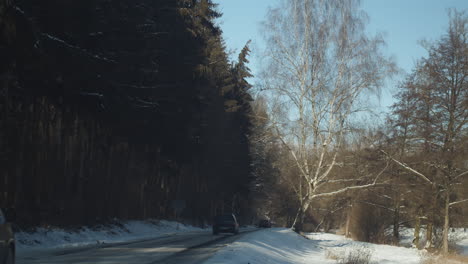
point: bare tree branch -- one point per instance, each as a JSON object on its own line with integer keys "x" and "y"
{"x": 422, "y": 176}
{"x": 460, "y": 175}
{"x": 458, "y": 202}
{"x": 374, "y": 183}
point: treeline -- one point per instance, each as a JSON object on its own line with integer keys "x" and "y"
{"x": 121, "y": 109}
{"x": 320, "y": 168}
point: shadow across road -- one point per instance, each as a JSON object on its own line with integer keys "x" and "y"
{"x": 186, "y": 248}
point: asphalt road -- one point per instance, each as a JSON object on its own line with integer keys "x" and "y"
{"x": 182, "y": 248}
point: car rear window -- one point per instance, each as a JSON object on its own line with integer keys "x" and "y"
{"x": 224, "y": 218}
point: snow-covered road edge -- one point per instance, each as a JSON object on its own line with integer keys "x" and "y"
{"x": 276, "y": 245}
{"x": 120, "y": 231}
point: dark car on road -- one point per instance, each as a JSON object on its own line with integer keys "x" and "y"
{"x": 264, "y": 223}
{"x": 7, "y": 240}
{"x": 225, "y": 224}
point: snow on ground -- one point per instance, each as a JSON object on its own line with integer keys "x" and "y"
{"x": 460, "y": 238}
{"x": 43, "y": 238}
{"x": 283, "y": 246}
{"x": 385, "y": 254}
{"x": 463, "y": 247}
{"x": 272, "y": 246}
{"x": 457, "y": 236}
{"x": 407, "y": 236}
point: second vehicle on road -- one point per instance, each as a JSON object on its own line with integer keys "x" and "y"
{"x": 225, "y": 223}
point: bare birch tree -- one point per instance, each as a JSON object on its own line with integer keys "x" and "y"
{"x": 318, "y": 63}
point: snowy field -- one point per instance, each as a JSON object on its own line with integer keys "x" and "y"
{"x": 457, "y": 237}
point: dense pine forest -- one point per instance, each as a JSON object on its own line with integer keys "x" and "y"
{"x": 120, "y": 109}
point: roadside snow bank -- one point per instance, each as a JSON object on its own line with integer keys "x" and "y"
{"x": 340, "y": 246}
{"x": 273, "y": 246}
{"x": 283, "y": 246}
{"x": 113, "y": 233}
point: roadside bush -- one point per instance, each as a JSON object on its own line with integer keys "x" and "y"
{"x": 361, "y": 255}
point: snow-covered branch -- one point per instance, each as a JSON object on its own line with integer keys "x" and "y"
{"x": 458, "y": 202}
{"x": 460, "y": 175}
{"x": 343, "y": 190}
{"x": 293, "y": 153}
{"x": 422, "y": 176}
{"x": 378, "y": 205}
{"x": 68, "y": 45}
{"x": 342, "y": 180}
{"x": 374, "y": 183}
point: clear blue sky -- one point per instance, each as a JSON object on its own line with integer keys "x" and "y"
{"x": 403, "y": 22}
